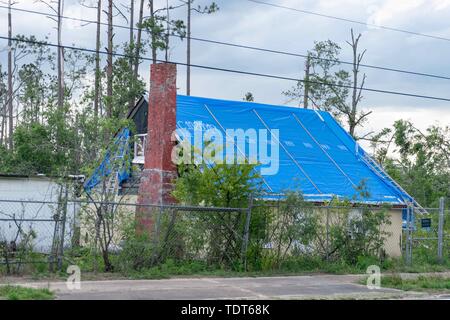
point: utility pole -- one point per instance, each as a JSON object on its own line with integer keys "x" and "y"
{"x": 188, "y": 58}
{"x": 306, "y": 84}
{"x": 97, "y": 62}
{"x": 131, "y": 46}
{"x": 10, "y": 88}
{"x": 206, "y": 10}
{"x": 60, "y": 57}
{"x": 109, "y": 67}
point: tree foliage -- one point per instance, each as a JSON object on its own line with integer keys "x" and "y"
{"x": 330, "y": 88}
{"x": 419, "y": 161}
{"x": 221, "y": 185}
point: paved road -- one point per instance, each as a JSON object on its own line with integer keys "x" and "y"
{"x": 293, "y": 287}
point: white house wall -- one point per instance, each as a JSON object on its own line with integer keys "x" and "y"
{"x": 20, "y": 189}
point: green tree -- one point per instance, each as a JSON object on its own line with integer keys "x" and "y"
{"x": 331, "y": 89}
{"x": 220, "y": 185}
{"x": 418, "y": 160}
{"x": 160, "y": 27}
{"x": 323, "y": 62}
{"x": 125, "y": 86}
{"x": 34, "y": 151}
{"x": 249, "y": 97}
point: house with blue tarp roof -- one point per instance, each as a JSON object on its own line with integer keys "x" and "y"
{"x": 316, "y": 156}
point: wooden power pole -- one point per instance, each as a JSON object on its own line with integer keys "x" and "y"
{"x": 306, "y": 83}
{"x": 188, "y": 58}
{"x": 109, "y": 65}
{"x": 10, "y": 84}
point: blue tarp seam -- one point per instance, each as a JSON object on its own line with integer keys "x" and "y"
{"x": 329, "y": 159}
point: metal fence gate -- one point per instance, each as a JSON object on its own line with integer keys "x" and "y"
{"x": 427, "y": 235}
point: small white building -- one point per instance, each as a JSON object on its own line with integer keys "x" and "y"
{"x": 31, "y": 203}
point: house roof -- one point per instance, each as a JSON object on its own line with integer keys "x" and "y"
{"x": 41, "y": 176}
{"x": 316, "y": 155}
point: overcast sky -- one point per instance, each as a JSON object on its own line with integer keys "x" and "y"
{"x": 244, "y": 22}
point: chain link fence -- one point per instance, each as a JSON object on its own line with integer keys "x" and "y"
{"x": 33, "y": 234}
{"x": 262, "y": 236}
{"x": 426, "y": 235}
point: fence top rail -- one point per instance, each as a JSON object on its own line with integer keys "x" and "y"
{"x": 324, "y": 206}
{"x": 164, "y": 206}
{"x": 207, "y": 208}
{"x": 30, "y": 220}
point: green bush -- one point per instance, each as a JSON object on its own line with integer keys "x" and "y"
{"x": 22, "y": 293}
{"x": 136, "y": 252}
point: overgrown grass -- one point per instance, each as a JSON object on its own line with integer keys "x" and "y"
{"x": 291, "y": 266}
{"x": 9, "y": 292}
{"x": 296, "y": 266}
{"x": 418, "y": 266}
{"x": 421, "y": 283}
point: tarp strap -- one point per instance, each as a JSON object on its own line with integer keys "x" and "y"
{"x": 386, "y": 179}
{"x": 287, "y": 152}
{"x": 237, "y": 147}
{"x": 323, "y": 149}
{"x": 367, "y": 160}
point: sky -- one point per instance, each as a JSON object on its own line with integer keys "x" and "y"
{"x": 252, "y": 24}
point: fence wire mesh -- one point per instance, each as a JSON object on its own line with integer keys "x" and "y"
{"x": 426, "y": 236}
{"x": 35, "y": 233}
{"x": 264, "y": 235}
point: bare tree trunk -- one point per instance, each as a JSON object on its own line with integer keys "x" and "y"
{"x": 60, "y": 57}
{"x": 138, "y": 40}
{"x": 97, "y": 62}
{"x": 306, "y": 84}
{"x": 10, "y": 85}
{"x": 354, "y": 90}
{"x": 131, "y": 44}
{"x": 353, "y": 119}
{"x": 188, "y": 51}
{"x": 168, "y": 30}
{"x": 152, "y": 16}
{"x": 131, "y": 27}
{"x": 3, "y": 125}
{"x": 109, "y": 68}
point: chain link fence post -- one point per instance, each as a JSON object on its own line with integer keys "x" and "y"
{"x": 411, "y": 234}
{"x": 247, "y": 231}
{"x": 155, "y": 237}
{"x": 441, "y": 230}
{"x": 327, "y": 244}
{"x": 53, "y": 257}
{"x": 63, "y": 229}
{"x": 408, "y": 235}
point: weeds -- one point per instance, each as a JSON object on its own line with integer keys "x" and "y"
{"x": 9, "y": 292}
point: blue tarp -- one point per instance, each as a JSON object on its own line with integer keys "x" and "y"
{"x": 117, "y": 153}
{"x": 412, "y": 218}
{"x": 316, "y": 155}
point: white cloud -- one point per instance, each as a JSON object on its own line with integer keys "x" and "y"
{"x": 390, "y": 10}
{"x": 256, "y": 25}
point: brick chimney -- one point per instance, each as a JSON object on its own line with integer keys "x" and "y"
{"x": 159, "y": 170}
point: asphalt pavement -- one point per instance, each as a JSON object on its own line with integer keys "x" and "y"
{"x": 291, "y": 287}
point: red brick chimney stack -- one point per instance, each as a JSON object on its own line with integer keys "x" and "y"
{"x": 159, "y": 170}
